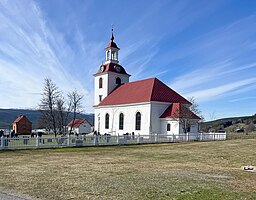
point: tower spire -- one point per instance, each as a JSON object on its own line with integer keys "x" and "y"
{"x": 112, "y": 49}
{"x": 112, "y": 35}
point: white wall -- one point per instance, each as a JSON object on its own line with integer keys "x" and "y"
{"x": 112, "y": 80}
{"x": 175, "y": 127}
{"x": 129, "y": 112}
{"x": 150, "y": 119}
{"x": 157, "y": 109}
{"x": 83, "y": 128}
{"x": 194, "y": 127}
{"x": 108, "y": 84}
{"x": 100, "y": 91}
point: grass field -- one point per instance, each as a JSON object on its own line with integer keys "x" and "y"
{"x": 198, "y": 170}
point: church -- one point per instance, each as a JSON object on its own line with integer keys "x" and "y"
{"x": 141, "y": 107}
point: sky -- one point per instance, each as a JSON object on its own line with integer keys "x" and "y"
{"x": 202, "y": 49}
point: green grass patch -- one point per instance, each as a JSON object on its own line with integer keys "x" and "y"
{"x": 198, "y": 170}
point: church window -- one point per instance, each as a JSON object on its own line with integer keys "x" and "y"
{"x": 100, "y": 83}
{"x": 107, "y": 121}
{"x": 121, "y": 121}
{"x": 168, "y": 127}
{"x": 138, "y": 121}
{"x": 100, "y": 98}
{"x": 118, "y": 81}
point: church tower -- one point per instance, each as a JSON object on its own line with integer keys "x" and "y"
{"x": 110, "y": 74}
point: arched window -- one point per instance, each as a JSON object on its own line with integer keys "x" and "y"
{"x": 168, "y": 127}
{"x": 107, "y": 121}
{"x": 121, "y": 121}
{"x": 138, "y": 121}
{"x": 118, "y": 81}
{"x": 108, "y": 52}
{"x": 100, "y": 83}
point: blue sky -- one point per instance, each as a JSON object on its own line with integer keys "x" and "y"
{"x": 204, "y": 49}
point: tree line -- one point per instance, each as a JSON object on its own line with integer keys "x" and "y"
{"x": 56, "y": 109}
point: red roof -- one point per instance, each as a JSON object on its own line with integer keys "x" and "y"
{"x": 21, "y": 117}
{"x": 112, "y": 44}
{"x": 146, "y": 90}
{"x": 177, "y": 110}
{"x": 77, "y": 122}
{"x": 111, "y": 67}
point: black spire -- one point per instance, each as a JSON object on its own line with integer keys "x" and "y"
{"x": 112, "y": 35}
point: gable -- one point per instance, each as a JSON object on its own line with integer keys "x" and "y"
{"x": 177, "y": 110}
{"x": 78, "y": 122}
{"x": 22, "y": 119}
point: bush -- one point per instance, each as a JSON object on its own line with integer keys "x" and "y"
{"x": 249, "y": 128}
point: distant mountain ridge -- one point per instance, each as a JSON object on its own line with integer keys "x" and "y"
{"x": 229, "y": 124}
{"x": 7, "y": 116}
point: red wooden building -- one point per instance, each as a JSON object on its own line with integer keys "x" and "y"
{"x": 22, "y": 125}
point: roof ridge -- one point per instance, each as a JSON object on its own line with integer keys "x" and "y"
{"x": 153, "y": 86}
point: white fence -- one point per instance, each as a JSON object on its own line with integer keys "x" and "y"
{"x": 27, "y": 142}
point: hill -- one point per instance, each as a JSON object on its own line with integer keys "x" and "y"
{"x": 229, "y": 124}
{"x": 7, "y": 116}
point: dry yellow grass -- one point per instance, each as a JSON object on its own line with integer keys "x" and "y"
{"x": 206, "y": 170}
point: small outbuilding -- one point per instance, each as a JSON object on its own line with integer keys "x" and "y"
{"x": 80, "y": 126}
{"x": 22, "y": 125}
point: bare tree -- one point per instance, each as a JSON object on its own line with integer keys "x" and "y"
{"x": 68, "y": 112}
{"x": 43, "y": 121}
{"x": 212, "y": 116}
{"x": 194, "y": 108}
{"x": 61, "y": 113}
{"x": 186, "y": 115}
{"x": 75, "y": 100}
{"x": 48, "y": 103}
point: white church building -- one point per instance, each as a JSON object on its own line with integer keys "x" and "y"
{"x": 140, "y": 107}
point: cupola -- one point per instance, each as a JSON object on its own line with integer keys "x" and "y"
{"x": 112, "y": 51}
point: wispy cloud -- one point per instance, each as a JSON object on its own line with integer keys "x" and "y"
{"x": 137, "y": 72}
{"x": 209, "y": 73}
{"x": 242, "y": 99}
{"x": 220, "y": 91}
{"x": 29, "y": 52}
{"x": 146, "y": 34}
{"x": 231, "y": 70}
{"x": 200, "y": 75}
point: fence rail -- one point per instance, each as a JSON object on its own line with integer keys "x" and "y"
{"x": 26, "y": 142}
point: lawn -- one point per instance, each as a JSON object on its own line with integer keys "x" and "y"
{"x": 196, "y": 170}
